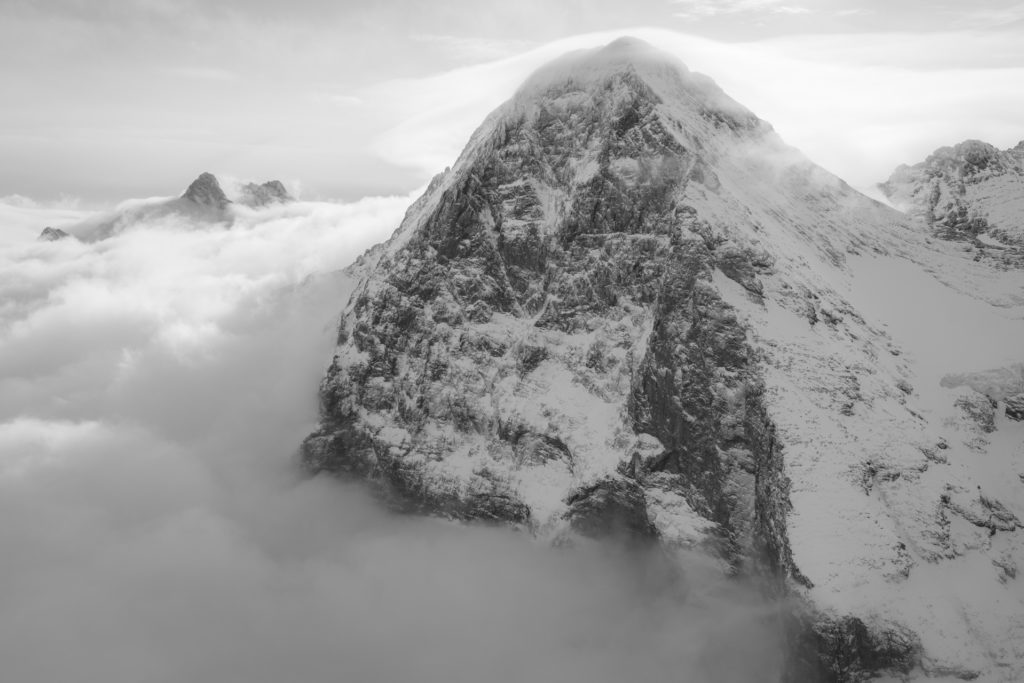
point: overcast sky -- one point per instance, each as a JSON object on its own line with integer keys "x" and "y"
{"x": 105, "y": 99}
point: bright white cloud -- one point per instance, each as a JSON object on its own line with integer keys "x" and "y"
{"x": 155, "y": 526}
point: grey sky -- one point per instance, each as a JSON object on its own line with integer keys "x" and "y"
{"x": 107, "y": 100}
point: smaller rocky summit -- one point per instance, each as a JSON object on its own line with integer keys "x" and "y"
{"x": 52, "y": 234}
{"x": 206, "y": 191}
{"x": 970, "y": 192}
{"x": 270, "y": 192}
{"x": 203, "y": 204}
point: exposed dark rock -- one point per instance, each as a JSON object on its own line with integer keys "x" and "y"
{"x": 740, "y": 265}
{"x": 979, "y": 409}
{"x": 844, "y": 650}
{"x": 529, "y": 356}
{"x": 1015, "y": 407}
{"x": 979, "y": 509}
{"x": 52, "y": 235}
{"x": 613, "y": 507}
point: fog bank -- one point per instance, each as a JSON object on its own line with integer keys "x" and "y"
{"x": 155, "y": 525}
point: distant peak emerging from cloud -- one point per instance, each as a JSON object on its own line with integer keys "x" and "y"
{"x": 203, "y": 203}
{"x": 206, "y": 191}
{"x": 52, "y": 234}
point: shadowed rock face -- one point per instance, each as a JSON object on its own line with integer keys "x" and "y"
{"x": 206, "y": 191}
{"x": 545, "y": 341}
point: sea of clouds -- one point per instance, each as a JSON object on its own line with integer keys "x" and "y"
{"x": 155, "y": 525}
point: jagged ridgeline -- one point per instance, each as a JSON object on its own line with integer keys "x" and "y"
{"x": 548, "y": 338}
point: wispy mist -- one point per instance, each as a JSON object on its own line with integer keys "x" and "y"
{"x": 155, "y": 526}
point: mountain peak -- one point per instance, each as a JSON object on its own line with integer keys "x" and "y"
{"x": 965, "y": 190}
{"x": 206, "y": 191}
{"x": 52, "y": 234}
{"x": 634, "y": 51}
{"x": 622, "y": 54}
{"x": 270, "y": 192}
{"x": 631, "y": 70}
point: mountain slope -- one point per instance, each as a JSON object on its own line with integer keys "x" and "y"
{"x": 628, "y": 310}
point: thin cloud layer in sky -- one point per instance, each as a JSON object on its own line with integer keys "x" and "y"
{"x": 155, "y": 524}
{"x": 111, "y": 100}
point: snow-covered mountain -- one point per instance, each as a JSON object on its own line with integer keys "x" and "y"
{"x": 204, "y": 202}
{"x": 970, "y": 191}
{"x": 629, "y": 309}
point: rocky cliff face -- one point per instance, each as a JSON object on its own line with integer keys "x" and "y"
{"x": 624, "y": 312}
{"x": 970, "y": 191}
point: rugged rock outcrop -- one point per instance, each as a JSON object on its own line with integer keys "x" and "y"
{"x": 1015, "y": 407}
{"x": 265, "y": 194}
{"x": 971, "y": 191}
{"x": 623, "y": 312}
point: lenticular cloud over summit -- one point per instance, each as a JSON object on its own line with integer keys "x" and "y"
{"x": 155, "y": 524}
